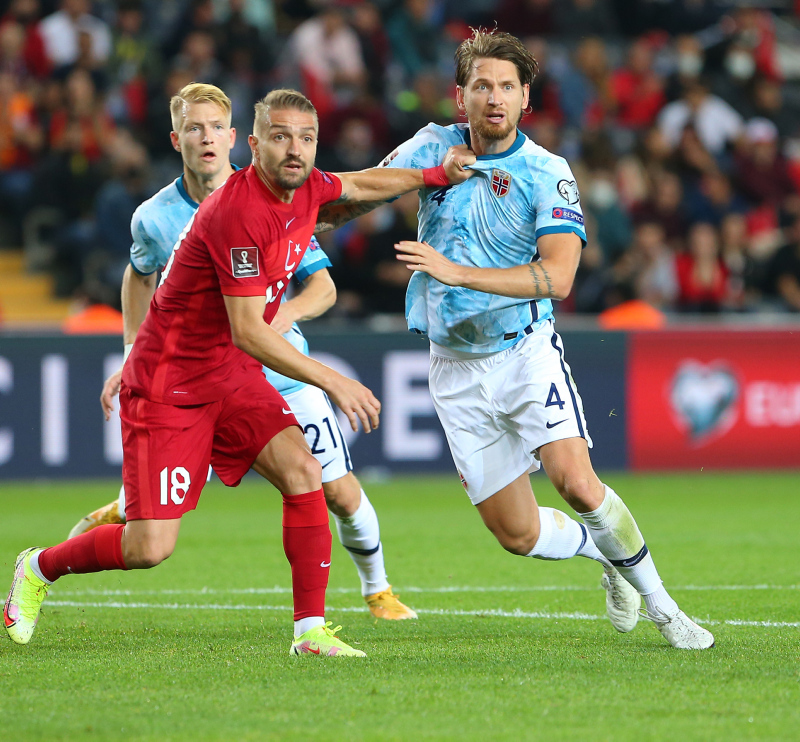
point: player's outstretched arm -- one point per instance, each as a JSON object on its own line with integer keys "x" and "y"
{"x": 255, "y": 337}
{"x": 334, "y": 215}
{"x": 137, "y": 292}
{"x": 380, "y": 184}
{"x": 316, "y": 297}
{"x": 551, "y": 277}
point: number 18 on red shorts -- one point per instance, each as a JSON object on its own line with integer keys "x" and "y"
{"x": 167, "y": 449}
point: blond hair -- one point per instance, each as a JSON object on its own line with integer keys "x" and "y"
{"x": 197, "y": 92}
{"x": 282, "y": 100}
{"x": 494, "y": 45}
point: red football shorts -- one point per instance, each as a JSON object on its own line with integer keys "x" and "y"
{"x": 167, "y": 449}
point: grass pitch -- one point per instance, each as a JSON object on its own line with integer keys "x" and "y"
{"x": 505, "y": 648}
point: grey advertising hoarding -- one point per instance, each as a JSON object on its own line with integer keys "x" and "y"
{"x": 51, "y": 425}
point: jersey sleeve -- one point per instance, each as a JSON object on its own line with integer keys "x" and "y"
{"x": 426, "y": 148}
{"x": 327, "y": 186}
{"x": 146, "y": 255}
{"x": 314, "y": 260}
{"x": 557, "y": 202}
{"x": 240, "y": 265}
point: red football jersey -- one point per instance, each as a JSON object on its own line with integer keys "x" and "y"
{"x": 242, "y": 241}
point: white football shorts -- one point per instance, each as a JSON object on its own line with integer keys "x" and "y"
{"x": 314, "y": 412}
{"x": 498, "y": 409}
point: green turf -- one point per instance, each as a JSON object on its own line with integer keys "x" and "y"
{"x": 173, "y": 664}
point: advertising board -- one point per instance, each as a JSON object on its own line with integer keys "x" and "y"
{"x": 722, "y": 400}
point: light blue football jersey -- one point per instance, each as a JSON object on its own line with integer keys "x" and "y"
{"x": 491, "y": 221}
{"x": 156, "y": 227}
{"x": 157, "y": 224}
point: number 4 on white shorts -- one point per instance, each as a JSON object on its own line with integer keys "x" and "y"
{"x": 553, "y": 398}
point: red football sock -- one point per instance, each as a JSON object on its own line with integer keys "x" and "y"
{"x": 93, "y": 551}
{"x": 307, "y": 544}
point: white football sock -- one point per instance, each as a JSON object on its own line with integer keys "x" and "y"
{"x": 360, "y": 534}
{"x": 617, "y": 536}
{"x": 659, "y": 600}
{"x": 304, "y": 624}
{"x": 560, "y": 537}
{"x": 121, "y": 505}
{"x": 34, "y": 562}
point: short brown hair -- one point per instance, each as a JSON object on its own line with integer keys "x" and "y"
{"x": 281, "y": 100}
{"x": 484, "y": 44}
{"x": 197, "y": 92}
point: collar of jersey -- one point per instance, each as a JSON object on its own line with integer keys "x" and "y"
{"x": 518, "y": 142}
{"x": 185, "y": 194}
{"x": 271, "y": 197}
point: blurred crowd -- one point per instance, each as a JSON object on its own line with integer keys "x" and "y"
{"x": 680, "y": 119}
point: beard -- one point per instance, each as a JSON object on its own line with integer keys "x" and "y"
{"x": 291, "y": 181}
{"x": 494, "y": 132}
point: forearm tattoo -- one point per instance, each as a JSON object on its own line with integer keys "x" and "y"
{"x": 339, "y": 212}
{"x": 541, "y": 281}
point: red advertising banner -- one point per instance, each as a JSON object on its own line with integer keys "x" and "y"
{"x": 725, "y": 399}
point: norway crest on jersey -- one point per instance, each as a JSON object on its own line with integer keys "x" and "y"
{"x": 501, "y": 182}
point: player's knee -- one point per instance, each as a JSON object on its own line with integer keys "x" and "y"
{"x": 519, "y": 545}
{"x": 342, "y": 497}
{"x": 150, "y": 559}
{"x": 516, "y": 541}
{"x": 581, "y": 493}
{"x": 311, "y": 470}
{"x": 303, "y": 473}
{"x": 336, "y": 504}
{"x": 147, "y": 554}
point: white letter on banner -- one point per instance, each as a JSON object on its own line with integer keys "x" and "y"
{"x": 402, "y": 402}
{"x": 112, "y": 433}
{"x": 6, "y": 434}
{"x": 345, "y": 369}
{"x": 756, "y": 404}
{"x": 55, "y": 442}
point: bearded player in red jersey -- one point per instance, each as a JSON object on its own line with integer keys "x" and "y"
{"x": 193, "y": 392}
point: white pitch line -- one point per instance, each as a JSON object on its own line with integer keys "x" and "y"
{"x": 435, "y": 590}
{"x": 493, "y": 612}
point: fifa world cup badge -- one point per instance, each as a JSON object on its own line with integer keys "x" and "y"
{"x": 244, "y": 262}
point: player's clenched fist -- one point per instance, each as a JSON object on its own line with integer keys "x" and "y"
{"x": 356, "y": 401}
{"x": 456, "y": 160}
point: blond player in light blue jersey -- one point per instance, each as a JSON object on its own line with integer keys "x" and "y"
{"x": 203, "y": 135}
{"x": 492, "y": 255}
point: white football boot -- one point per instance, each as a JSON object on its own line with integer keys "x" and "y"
{"x": 622, "y": 601}
{"x": 679, "y": 630}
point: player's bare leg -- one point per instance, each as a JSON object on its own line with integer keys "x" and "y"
{"x": 147, "y": 543}
{"x": 287, "y": 463}
{"x": 614, "y": 531}
{"x": 359, "y": 533}
{"x": 524, "y": 528}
